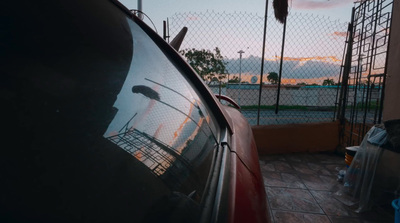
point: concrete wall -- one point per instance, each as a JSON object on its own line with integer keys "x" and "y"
{"x": 320, "y": 97}
{"x": 310, "y": 137}
{"x": 288, "y": 96}
{"x": 391, "y": 107}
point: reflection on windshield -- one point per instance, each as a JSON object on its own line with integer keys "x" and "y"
{"x": 156, "y": 155}
{"x": 161, "y": 121}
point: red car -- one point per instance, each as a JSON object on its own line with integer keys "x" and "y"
{"x": 104, "y": 121}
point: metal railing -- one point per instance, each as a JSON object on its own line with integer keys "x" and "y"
{"x": 361, "y": 96}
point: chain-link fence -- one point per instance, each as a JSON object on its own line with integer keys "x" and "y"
{"x": 311, "y": 63}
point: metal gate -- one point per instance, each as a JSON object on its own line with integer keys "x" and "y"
{"x": 361, "y": 92}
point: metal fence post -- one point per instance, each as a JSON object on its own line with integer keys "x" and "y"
{"x": 262, "y": 62}
{"x": 280, "y": 66}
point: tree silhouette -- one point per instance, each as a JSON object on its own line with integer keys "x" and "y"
{"x": 208, "y": 64}
{"x": 328, "y": 82}
{"x": 272, "y": 77}
{"x": 235, "y": 79}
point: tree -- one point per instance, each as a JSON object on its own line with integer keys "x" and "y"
{"x": 328, "y": 82}
{"x": 208, "y": 64}
{"x": 272, "y": 77}
{"x": 234, "y": 79}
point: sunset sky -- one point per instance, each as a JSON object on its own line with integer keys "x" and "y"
{"x": 304, "y": 57}
{"x": 159, "y": 10}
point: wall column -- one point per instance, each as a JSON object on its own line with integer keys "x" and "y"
{"x": 391, "y": 106}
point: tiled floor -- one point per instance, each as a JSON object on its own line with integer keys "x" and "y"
{"x": 304, "y": 188}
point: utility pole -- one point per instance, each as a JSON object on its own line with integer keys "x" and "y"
{"x": 140, "y": 14}
{"x": 240, "y": 73}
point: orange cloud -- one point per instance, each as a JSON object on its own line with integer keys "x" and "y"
{"x": 341, "y": 34}
{"x": 290, "y": 81}
{"x": 309, "y": 81}
{"x": 305, "y": 59}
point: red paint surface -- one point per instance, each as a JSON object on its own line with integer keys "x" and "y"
{"x": 247, "y": 198}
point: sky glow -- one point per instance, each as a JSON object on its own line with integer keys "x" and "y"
{"x": 304, "y": 55}
{"x": 160, "y": 10}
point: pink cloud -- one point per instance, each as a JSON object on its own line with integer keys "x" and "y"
{"x": 319, "y": 4}
{"x": 341, "y": 34}
{"x": 192, "y": 18}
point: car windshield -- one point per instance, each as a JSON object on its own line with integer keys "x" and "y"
{"x": 161, "y": 120}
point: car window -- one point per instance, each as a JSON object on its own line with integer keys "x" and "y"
{"x": 161, "y": 120}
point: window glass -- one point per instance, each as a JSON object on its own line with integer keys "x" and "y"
{"x": 161, "y": 121}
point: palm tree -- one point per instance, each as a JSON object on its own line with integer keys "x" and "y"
{"x": 328, "y": 82}
{"x": 280, "y": 10}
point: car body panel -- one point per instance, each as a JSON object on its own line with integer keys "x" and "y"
{"x": 243, "y": 143}
{"x": 248, "y": 199}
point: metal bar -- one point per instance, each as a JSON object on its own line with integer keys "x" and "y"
{"x": 376, "y": 75}
{"x": 370, "y": 69}
{"x": 346, "y": 70}
{"x": 337, "y": 103}
{"x": 362, "y": 126}
{"x": 377, "y": 101}
{"x": 262, "y": 63}
{"x": 164, "y": 30}
{"x": 280, "y": 66}
{"x": 370, "y": 93}
{"x": 385, "y": 71}
{"x": 354, "y": 116}
{"x": 168, "y": 30}
{"x": 140, "y": 14}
